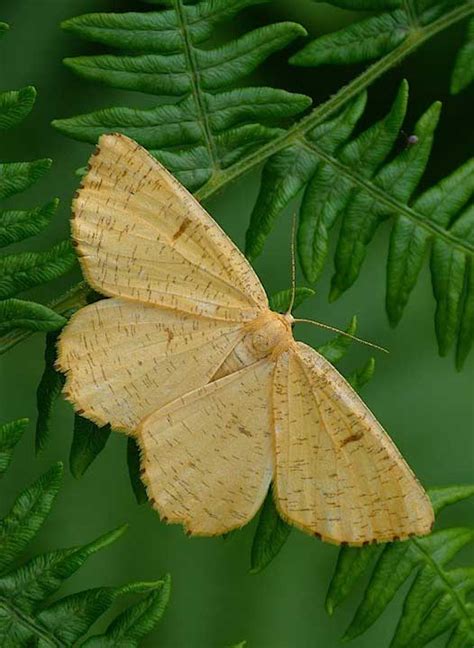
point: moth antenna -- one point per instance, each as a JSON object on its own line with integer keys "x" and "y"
{"x": 293, "y": 265}
{"x": 336, "y": 330}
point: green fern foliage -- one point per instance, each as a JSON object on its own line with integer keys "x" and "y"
{"x": 396, "y": 25}
{"x": 438, "y": 598}
{"x": 48, "y": 390}
{"x": 27, "y": 617}
{"x": 463, "y": 72}
{"x": 87, "y": 442}
{"x": 272, "y": 532}
{"x": 134, "y": 471}
{"x": 24, "y": 270}
{"x": 361, "y": 181}
{"x": 213, "y": 121}
{"x": 10, "y": 434}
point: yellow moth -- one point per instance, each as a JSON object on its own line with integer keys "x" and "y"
{"x": 188, "y": 358}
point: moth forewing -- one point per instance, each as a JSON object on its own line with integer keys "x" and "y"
{"x": 337, "y": 473}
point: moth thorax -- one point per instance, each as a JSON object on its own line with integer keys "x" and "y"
{"x": 267, "y": 334}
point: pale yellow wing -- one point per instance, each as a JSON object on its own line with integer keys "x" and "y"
{"x": 142, "y": 236}
{"x": 123, "y": 359}
{"x": 338, "y": 474}
{"x": 208, "y": 456}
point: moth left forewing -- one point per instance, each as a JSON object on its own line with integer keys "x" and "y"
{"x": 123, "y": 359}
{"x": 338, "y": 474}
{"x": 141, "y": 235}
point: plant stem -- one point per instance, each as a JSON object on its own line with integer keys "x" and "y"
{"x": 77, "y": 295}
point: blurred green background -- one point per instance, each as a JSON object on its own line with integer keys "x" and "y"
{"x": 424, "y": 404}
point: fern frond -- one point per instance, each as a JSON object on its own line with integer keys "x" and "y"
{"x": 15, "y": 106}
{"x": 87, "y": 442}
{"x": 48, "y": 390}
{"x": 212, "y": 125}
{"x": 10, "y": 434}
{"x": 272, "y": 532}
{"x": 27, "y": 269}
{"x": 379, "y": 35}
{"x": 437, "y": 600}
{"x": 134, "y": 471}
{"x": 156, "y": 33}
{"x": 27, "y": 618}
{"x": 21, "y": 271}
{"x": 463, "y": 72}
{"x": 360, "y": 181}
{"x": 18, "y": 313}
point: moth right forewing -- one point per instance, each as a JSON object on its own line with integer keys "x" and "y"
{"x": 338, "y": 474}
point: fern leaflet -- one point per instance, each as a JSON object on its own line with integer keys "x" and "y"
{"x": 10, "y": 434}
{"x": 463, "y": 72}
{"x": 21, "y": 271}
{"x": 379, "y": 35}
{"x": 437, "y": 600}
{"x": 27, "y": 618}
{"x": 213, "y": 124}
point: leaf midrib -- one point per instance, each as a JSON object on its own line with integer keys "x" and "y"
{"x": 196, "y": 92}
{"x": 381, "y": 196}
{"x": 30, "y": 623}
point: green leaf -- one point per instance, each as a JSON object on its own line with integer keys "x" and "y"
{"x": 463, "y": 73}
{"x": 17, "y": 313}
{"x": 287, "y": 172}
{"x": 280, "y": 301}
{"x": 213, "y": 124}
{"x": 360, "y": 377}
{"x": 88, "y": 441}
{"x": 336, "y": 349}
{"x": 270, "y": 536}
{"x": 447, "y": 495}
{"x": 361, "y": 41}
{"x": 18, "y": 225}
{"x": 436, "y": 595}
{"x": 24, "y": 270}
{"x": 136, "y": 621}
{"x": 352, "y": 563}
{"x": 366, "y": 5}
{"x": 41, "y": 576}
{"x": 49, "y": 388}
{"x": 15, "y": 177}
{"x": 382, "y": 35}
{"x": 10, "y": 434}
{"x": 134, "y": 471}
{"x": 27, "y": 515}
{"x": 15, "y": 106}
{"x": 27, "y": 269}
{"x": 28, "y": 618}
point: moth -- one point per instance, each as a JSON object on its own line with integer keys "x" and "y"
{"x": 187, "y": 357}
